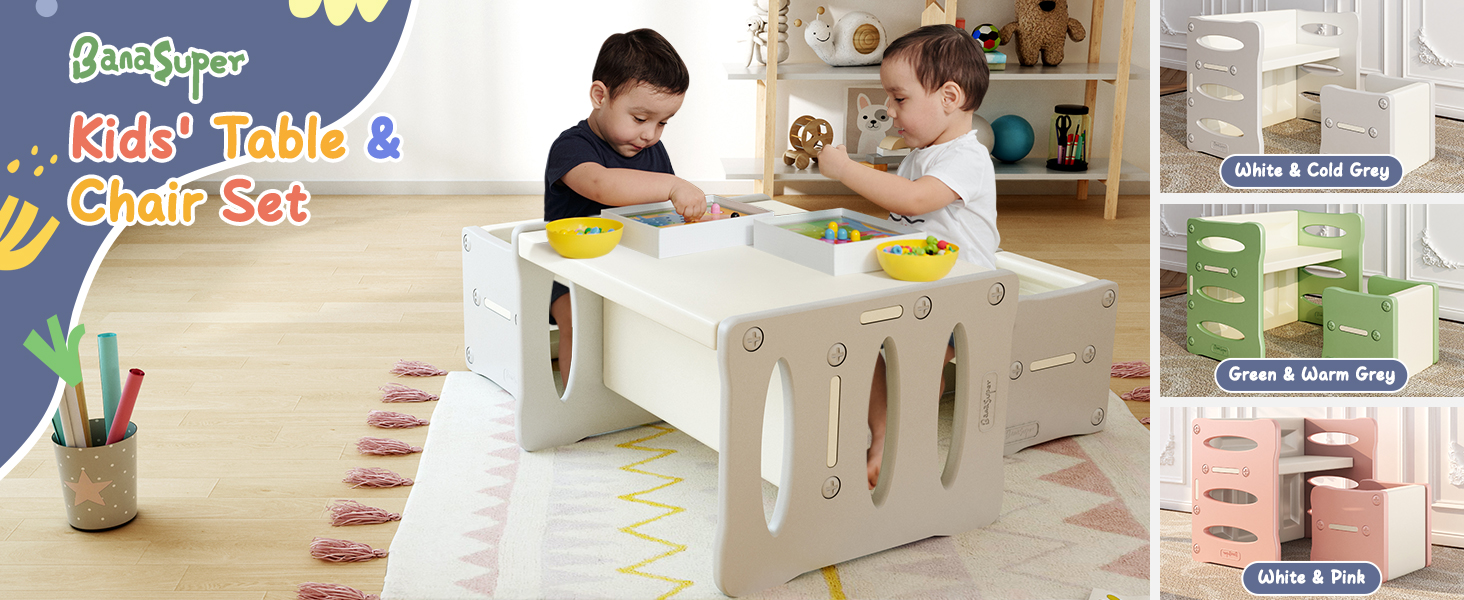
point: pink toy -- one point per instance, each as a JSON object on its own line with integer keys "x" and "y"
{"x": 1253, "y": 479}
{"x": 1386, "y": 524}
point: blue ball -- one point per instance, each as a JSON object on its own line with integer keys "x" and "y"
{"x": 1014, "y": 138}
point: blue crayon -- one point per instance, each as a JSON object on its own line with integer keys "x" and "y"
{"x": 111, "y": 381}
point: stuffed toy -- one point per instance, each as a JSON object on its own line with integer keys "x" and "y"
{"x": 1039, "y": 31}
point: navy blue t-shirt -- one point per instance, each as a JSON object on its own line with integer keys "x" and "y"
{"x": 579, "y": 145}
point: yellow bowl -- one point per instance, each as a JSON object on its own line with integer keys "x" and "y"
{"x": 572, "y": 245}
{"x": 914, "y": 267}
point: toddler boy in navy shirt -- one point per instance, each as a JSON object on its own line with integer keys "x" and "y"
{"x": 615, "y": 156}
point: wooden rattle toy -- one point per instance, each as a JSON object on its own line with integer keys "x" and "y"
{"x": 807, "y": 138}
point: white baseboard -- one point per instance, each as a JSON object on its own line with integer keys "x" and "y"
{"x": 722, "y": 187}
{"x": 1175, "y": 505}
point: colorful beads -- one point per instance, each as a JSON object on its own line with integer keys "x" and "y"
{"x": 581, "y": 230}
{"x": 930, "y": 247}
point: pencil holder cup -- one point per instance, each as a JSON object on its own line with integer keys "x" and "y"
{"x": 1067, "y": 138}
{"x": 99, "y": 484}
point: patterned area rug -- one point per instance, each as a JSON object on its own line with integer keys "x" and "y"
{"x": 1184, "y": 171}
{"x": 1183, "y": 579}
{"x": 632, "y": 514}
{"x": 1185, "y": 374}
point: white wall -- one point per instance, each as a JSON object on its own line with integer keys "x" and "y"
{"x": 482, "y": 89}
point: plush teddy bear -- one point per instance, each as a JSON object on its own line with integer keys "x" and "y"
{"x": 1039, "y": 31}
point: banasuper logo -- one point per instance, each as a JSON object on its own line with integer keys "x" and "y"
{"x": 988, "y": 398}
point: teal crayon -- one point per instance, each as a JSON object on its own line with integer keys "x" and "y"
{"x": 111, "y": 380}
{"x": 56, "y": 425}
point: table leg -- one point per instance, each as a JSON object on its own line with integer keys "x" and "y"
{"x": 825, "y": 513}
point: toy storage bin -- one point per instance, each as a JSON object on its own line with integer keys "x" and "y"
{"x": 1252, "y": 479}
{"x": 666, "y": 242}
{"x": 1248, "y": 71}
{"x": 773, "y": 236}
{"x": 1386, "y": 524}
{"x": 1062, "y": 350}
{"x": 1389, "y": 115}
{"x": 1394, "y": 319}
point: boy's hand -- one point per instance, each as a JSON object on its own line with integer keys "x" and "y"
{"x": 689, "y": 200}
{"x": 834, "y": 161}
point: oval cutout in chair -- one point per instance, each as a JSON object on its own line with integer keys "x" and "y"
{"x": 1325, "y": 70}
{"x": 1230, "y": 496}
{"x": 1220, "y": 92}
{"x": 1321, "y": 29}
{"x": 777, "y": 443}
{"x": 1230, "y": 443}
{"x": 1325, "y": 231}
{"x": 1223, "y": 43}
{"x": 1333, "y": 481}
{"x": 1221, "y": 244}
{"x": 1328, "y": 272}
{"x": 1218, "y": 127}
{"x": 1222, "y": 330}
{"x": 1220, "y": 294}
{"x": 1234, "y": 534}
{"x": 1333, "y": 438}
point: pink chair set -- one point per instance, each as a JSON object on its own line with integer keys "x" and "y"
{"x": 1261, "y": 482}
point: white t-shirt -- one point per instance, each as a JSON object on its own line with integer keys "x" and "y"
{"x": 964, "y": 165}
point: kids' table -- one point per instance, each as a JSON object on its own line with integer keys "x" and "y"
{"x": 699, "y": 341}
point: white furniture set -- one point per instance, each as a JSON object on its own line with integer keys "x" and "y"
{"x": 699, "y": 340}
{"x": 1248, "y": 71}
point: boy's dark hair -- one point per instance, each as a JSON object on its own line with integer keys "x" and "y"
{"x": 941, "y": 53}
{"x": 640, "y": 56}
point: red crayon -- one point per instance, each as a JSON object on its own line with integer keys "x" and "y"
{"x": 124, "y": 406}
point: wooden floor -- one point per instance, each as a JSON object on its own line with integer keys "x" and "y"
{"x": 1171, "y": 283}
{"x": 264, "y": 347}
{"x": 1171, "y": 81}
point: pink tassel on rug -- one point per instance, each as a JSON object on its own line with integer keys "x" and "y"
{"x": 332, "y": 591}
{"x": 384, "y": 446}
{"x": 416, "y": 368}
{"x": 333, "y": 550}
{"x": 1127, "y": 370}
{"x": 374, "y": 477}
{"x": 1139, "y": 394}
{"x": 396, "y": 392}
{"x": 386, "y": 419}
{"x": 1144, "y": 420}
{"x": 351, "y": 512}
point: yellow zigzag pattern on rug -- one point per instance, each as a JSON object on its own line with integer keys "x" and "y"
{"x": 634, "y": 569}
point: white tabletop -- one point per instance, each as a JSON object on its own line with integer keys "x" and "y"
{"x": 1291, "y": 257}
{"x": 1291, "y": 465}
{"x": 693, "y": 293}
{"x": 1290, "y": 55}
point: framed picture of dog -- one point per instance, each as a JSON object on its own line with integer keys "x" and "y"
{"x": 866, "y": 120}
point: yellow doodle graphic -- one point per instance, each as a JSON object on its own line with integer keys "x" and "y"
{"x": 15, "y": 164}
{"x": 338, "y": 10}
{"x": 11, "y": 258}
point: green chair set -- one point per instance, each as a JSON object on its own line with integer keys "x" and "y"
{"x": 1251, "y": 273}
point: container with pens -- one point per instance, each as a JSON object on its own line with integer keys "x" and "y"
{"x": 1067, "y": 142}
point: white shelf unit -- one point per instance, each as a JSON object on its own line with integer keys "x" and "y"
{"x": 769, "y": 168}
{"x": 1027, "y": 169}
